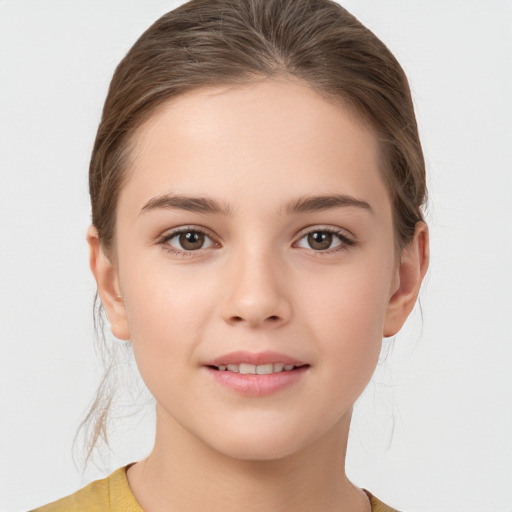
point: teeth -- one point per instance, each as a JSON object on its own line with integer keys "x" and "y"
{"x": 247, "y": 368}
{"x": 263, "y": 369}
{"x": 260, "y": 369}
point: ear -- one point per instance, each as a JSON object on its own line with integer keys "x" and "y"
{"x": 107, "y": 281}
{"x": 409, "y": 276}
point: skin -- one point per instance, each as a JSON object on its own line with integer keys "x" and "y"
{"x": 257, "y": 284}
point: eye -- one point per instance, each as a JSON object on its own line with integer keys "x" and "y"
{"x": 188, "y": 240}
{"x": 324, "y": 240}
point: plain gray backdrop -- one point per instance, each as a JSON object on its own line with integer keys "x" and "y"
{"x": 433, "y": 431}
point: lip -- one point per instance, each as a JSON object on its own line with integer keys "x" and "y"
{"x": 256, "y": 358}
{"x": 257, "y": 385}
{"x": 254, "y": 385}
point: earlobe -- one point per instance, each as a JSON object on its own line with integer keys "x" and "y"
{"x": 411, "y": 271}
{"x": 107, "y": 281}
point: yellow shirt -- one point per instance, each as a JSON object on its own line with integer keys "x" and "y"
{"x": 113, "y": 494}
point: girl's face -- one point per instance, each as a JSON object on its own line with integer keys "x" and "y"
{"x": 254, "y": 230}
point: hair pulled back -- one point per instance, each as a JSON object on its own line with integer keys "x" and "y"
{"x": 213, "y": 42}
{"x": 219, "y": 42}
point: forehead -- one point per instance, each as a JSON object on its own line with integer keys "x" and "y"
{"x": 271, "y": 138}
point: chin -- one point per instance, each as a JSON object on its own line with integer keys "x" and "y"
{"x": 260, "y": 443}
{"x": 257, "y": 451}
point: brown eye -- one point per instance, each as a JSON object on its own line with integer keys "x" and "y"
{"x": 191, "y": 240}
{"x": 320, "y": 240}
{"x": 325, "y": 240}
{"x": 188, "y": 240}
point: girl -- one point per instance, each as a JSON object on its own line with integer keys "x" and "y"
{"x": 256, "y": 185}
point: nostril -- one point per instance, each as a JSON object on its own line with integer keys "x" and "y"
{"x": 255, "y": 320}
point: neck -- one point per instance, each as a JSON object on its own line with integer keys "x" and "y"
{"x": 182, "y": 473}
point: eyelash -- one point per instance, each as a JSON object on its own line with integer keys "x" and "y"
{"x": 344, "y": 245}
{"x": 165, "y": 239}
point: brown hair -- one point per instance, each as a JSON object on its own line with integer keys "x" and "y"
{"x": 212, "y": 42}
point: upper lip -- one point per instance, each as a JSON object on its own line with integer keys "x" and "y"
{"x": 255, "y": 358}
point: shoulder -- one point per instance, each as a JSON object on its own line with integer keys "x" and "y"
{"x": 377, "y": 505}
{"x": 111, "y": 494}
{"x": 94, "y": 497}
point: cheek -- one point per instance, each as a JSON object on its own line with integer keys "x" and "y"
{"x": 351, "y": 298}
{"x": 347, "y": 310}
{"x": 166, "y": 314}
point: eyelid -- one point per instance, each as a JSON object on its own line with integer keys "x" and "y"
{"x": 337, "y": 230}
{"x": 346, "y": 237}
{"x": 169, "y": 234}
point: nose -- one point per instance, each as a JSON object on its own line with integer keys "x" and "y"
{"x": 257, "y": 292}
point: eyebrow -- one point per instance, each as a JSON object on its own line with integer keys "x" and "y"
{"x": 319, "y": 203}
{"x": 191, "y": 204}
{"x": 206, "y": 205}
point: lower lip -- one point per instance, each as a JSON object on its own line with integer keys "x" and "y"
{"x": 249, "y": 384}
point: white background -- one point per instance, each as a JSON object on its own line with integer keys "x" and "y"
{"x": 434, "y": 429}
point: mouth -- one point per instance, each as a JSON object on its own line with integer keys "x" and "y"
{"x": 257, "y": 369}
{"x": 256, "y": 374}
